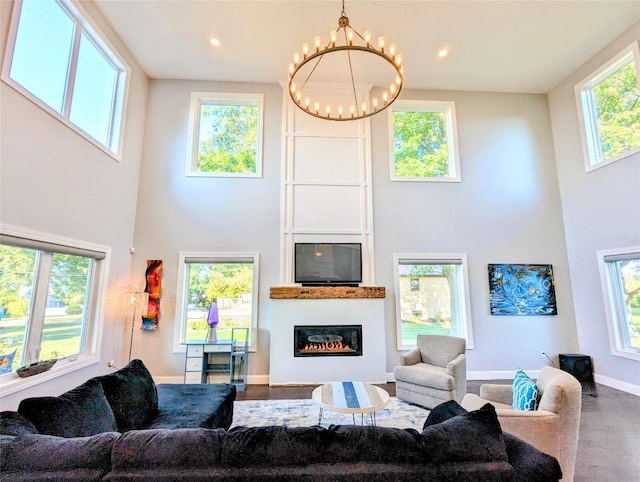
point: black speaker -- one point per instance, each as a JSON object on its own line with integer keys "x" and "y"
{"x": 580, "y": 367}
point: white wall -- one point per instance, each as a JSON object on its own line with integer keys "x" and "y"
{"x": 601, "y": 210}
{"x": 505, "y": 210}
{"x": 179, "y": 213}
{"x": 54, "y": 181}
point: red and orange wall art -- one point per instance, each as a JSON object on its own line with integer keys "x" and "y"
{"x": 154, "y": 284}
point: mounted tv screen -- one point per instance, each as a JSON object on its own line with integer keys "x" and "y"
{"x": 328, "y": 264}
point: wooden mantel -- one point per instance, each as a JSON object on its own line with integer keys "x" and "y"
{"x": 325, "y": 292}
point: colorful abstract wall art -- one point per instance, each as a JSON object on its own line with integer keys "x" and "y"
{"x": 154, "y": 284}
{"x": 522, "y": 289}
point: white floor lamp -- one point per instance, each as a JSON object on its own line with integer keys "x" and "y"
{"x": 138, "y": 300}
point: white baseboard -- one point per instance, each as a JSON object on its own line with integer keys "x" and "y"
{"x": 617, "y": 384}
{"x": 473, "y": 375}
{"x": 485, "y": 375}
{"x": 251, "y": 379}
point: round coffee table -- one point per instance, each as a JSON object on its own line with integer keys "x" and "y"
{"x": 351, "y": 397}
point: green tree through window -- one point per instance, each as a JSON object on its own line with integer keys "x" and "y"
{"x": 226, "y": 135}
{"x": 617, "y": 101}
{"x": 230, "y": 139}
{"x": 420, "y": 141}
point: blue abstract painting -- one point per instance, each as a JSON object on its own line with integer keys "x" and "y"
{"x": 521, "y": 289}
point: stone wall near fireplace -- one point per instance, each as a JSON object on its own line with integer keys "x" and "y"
{"x": 313, "y": 307}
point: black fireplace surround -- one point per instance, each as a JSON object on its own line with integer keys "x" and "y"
{"x": 327, "y": 340}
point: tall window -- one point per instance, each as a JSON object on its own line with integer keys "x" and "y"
{"x": 609, "y": 109}
{"x": 424, "y": 143}
{"x": 230, "y": 279}
{"x": 56, "y": 57}
{"x": 225, "y": 135}
{"x": 431, "y": 297}
{"x": 48, "y": 299}
{"x": 620, "y": 276}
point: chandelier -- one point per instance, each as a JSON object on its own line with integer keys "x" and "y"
{"x": 345, "y": 46}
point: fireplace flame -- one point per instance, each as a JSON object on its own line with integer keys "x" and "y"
{"x": 327, "y": 346}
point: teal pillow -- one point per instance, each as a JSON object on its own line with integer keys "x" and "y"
{"x": 525, "y": 392}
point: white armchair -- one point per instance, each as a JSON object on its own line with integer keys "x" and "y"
{"x": 434, "y": 372}
{"x": 553, "y": 427}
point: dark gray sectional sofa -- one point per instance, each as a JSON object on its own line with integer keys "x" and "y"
{"x": 454, "y": 445}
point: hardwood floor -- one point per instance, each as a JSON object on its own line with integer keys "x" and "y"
{"x": 609, "y": 445}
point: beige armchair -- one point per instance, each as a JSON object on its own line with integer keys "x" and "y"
{"x": 553, "y": 427}
{"x": 434, "y": 372}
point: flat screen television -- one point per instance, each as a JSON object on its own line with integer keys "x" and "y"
{"x": 328, "y": 264}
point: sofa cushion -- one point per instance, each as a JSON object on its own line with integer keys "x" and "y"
{"x": 470, "y": 437}
{"x": 443, "y": 411}
{"x": 163, "y": 448}
{"x": 132, "y": 394}
{"x": 274, "y": 445}
{"x": 355, "y": 443}
{"x": 13, "y": 423}
{"x": 80, "y": 412}
{"x": 194, "y": 405}
{"x": 525, "y": 392}
{"x": 59, "y": 458}
{"x": 529, "y": 463}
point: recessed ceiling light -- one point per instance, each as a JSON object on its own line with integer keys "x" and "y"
{"x": 443, "y": 53}
{"x": 215, "y": 42}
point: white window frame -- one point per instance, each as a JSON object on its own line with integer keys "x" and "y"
{"x": 83, "y": 24}
{"x": 612, "y": 299}
{"x": 465, "y": 300}
{"x": 220, "y": 98}
{"x": 182, "y": 300}
{"x": 587, "y": 119}
{"x": 11, "y": 383}
{"x": 448, "y": 108}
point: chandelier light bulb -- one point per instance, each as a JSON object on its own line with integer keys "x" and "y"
{"x": 317, "y": 42}
{"x": 340, "y": 111}
{"x": 350, "y": 37}
{"x": 293, "y": 88}
{"x": 305, "y": 50}
{"x": 352, "y": 109}
{"x": 398, "y": 80}
{"x": 367, "y": 38}
{"x": 292, "y": 67}
{"x": 316, "y": 106}
{"x": 381, "y": 43}
{"x": 385, "y": 97}
{"x": 398, "y": 60}
{"x": 298, "y": 96}
{"x": 328, "y": 110}
{"x": 392, "y": 89}
{"x": 307, "y": 101}
{"x": 375, "y": 103}
{"x": 333, "y": 36}
{"x": 392, "y": 50}
{"x": 296, "y": 58}
{"x": 364, "y": 107}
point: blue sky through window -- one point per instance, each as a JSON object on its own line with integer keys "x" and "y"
{"x": 63, "y": 63}
{"x": 42, "y": 51}
{"x": 93, "y": 92}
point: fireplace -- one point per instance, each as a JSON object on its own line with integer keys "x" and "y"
{"x": 327, "y": 340}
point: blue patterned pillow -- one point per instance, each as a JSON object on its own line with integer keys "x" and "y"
{"x": 525, "y": 392}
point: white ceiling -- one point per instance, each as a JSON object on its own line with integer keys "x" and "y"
{"x": 500, "y": 46}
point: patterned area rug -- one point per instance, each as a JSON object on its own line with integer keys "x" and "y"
{"x": 301, "y": 413}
